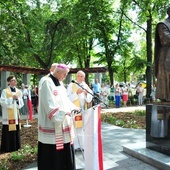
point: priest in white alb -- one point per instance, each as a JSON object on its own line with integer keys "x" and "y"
{"x": 55, "y": 123}
{"x": 81, "y": 95}
{"x": 11, "y": 102}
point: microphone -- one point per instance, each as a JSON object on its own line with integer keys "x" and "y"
{"x": 73, "y": 81}
{"x": 76, "y": 83}
{"x": 74, "y": 111}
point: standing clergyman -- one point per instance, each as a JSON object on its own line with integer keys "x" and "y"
{"x": 55, "y": 123}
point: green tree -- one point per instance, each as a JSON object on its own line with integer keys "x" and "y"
{"x": 147, "y": 13}
{"x": 32, "y": 33}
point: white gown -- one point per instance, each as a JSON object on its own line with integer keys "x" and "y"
{"x": 79, "y": 132}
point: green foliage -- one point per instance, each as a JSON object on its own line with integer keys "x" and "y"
{"x": 80, "y": 32}
{"x": 108, "y": 118}
{"x": 16, "y": 156}
{"x": 120, "y": 123}
{"x": 3, "y": 164}
{"x": 112, "y": 119}
{"x": 125, "y": 122}
{"x": 131, "y": 124}
{"x": 21, "y": 153}
{"x": 138, "y": 62}
{"x": 140, "y": 113}
{"x": 31, "y": 33}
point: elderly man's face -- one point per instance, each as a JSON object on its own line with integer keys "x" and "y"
{"x": 80, "y": 77}
{"x": 61, "y": 75}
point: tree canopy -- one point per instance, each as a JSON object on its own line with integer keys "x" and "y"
{"x": 83, "y": 33}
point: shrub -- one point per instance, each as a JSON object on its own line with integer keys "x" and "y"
{"x": 133, "y": 120}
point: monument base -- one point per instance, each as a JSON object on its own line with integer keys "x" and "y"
{"x": 158, "y": 127}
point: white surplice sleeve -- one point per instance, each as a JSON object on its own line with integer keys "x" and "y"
{"x": 6, "y": 102}
{"x": 89, "y": 96}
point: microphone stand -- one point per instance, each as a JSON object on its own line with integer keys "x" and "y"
{"x": 94, "y": 96}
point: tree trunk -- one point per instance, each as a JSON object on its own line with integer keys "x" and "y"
{"x": 149, "y": 57}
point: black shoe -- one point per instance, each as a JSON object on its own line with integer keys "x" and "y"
{"x": 77, "y": 150}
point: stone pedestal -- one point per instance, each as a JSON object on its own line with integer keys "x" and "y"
{"x": 158, "y": 127}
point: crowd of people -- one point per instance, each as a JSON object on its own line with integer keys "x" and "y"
{"x": 122, "y": 93}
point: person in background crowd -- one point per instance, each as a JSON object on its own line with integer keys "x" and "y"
{"x": 11, "y": 102}
{"x": 33, "y": 97}
{"x": 104, "y": 93}
{"x": 153, "y": 93}
{"x": 91, "y": 86}
{"x": 96, "y": 89}
{"x": 111, "y": 96}
{"x": 162, "y": 59}
{"x": 25, "y": 93}
{"x": 129, "y": 90}
{"x": 55, "y": 123}
{"x": 124, "y": 95}
{"x": 96, "y": 86}
{"x": 81, "y": 98}
{"x": 140, "y": 91}
{"x": 117, "y": 95}
{"x": 36, "y": 91}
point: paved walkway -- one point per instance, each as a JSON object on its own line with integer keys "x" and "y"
{"x": 113, "y": 139}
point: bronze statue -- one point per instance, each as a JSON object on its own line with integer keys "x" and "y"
{"x": 162, "y": 59}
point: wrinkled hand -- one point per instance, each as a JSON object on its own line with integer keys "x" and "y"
{"x": 75, "y": 112}
{"x": 85, "y": 92}
{"x": 80, "y": 91}
{"x": 69, "y": 114}
{"x": 15, "y": 97}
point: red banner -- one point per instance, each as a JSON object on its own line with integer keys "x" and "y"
{"x": 29, "y": 102}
